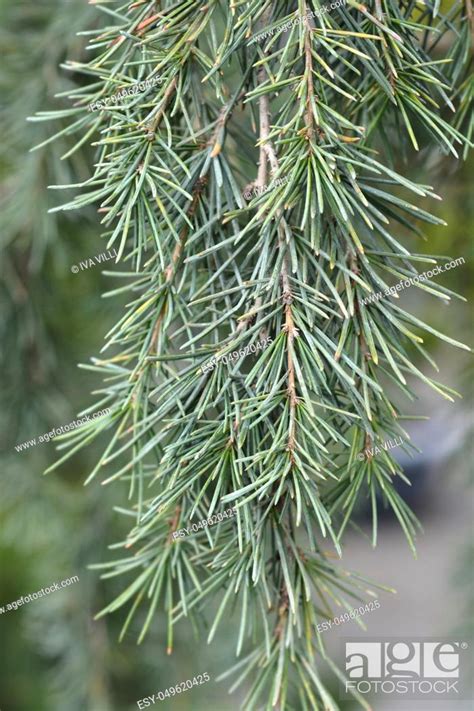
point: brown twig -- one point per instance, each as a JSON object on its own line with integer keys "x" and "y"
{"x": 175, "y": 258}
{"x": 157, "y": 120}
{"x": 310, "y": 94}
{"x": 173, "y": 523}
{"x": 469, "y": 13}
{"x": 267, "y": 152}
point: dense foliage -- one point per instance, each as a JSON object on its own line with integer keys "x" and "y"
{"x": 318, "y": 118}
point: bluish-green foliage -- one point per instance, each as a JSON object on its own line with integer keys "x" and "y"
{"x": 324, "y": 109}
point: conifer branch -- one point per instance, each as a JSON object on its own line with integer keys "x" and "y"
{"x": 328, "y": 103}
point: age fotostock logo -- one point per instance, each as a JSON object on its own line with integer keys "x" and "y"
{"x": 410, "y": 669}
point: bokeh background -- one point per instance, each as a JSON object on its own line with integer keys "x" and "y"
{"x": 53, "y": 655}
